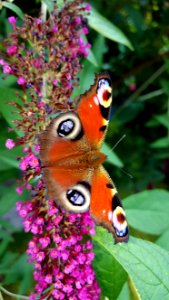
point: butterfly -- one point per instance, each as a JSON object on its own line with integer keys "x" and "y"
{"x": 72, "y": 162}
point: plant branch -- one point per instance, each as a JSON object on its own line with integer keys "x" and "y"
{"x": 142, "y": 88}
{"x": 43, "y": 17}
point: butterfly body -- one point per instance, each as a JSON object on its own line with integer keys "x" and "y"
{"x": 72, "y": 160}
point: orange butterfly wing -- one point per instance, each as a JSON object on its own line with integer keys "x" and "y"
{"x": 94, "y": 109}
{"x": 69, "y": 150}
{"x": 106, "y": 207}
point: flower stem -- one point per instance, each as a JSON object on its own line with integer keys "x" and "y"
{"x": 11, "y": 294}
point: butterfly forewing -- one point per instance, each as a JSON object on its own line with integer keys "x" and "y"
{"x": 94, "y": 109}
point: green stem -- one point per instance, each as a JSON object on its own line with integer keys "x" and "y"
{"x": 43, "y": 11}
{"x": 43, "y": 17}
{"x": 1, "y": 298}
{"x": 12, "y": 294}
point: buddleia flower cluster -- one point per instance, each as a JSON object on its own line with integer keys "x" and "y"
{"x": 44, "y": 57}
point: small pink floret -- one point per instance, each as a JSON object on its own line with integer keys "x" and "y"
{"x": 21, "y": 81}
{"x": 7, "y": 69}
{"x": 88, "y": 7}
{"x": 132, "y": 87}
{"x": 85, "y": 30}
{"x": 2, "y": 62}
{"x": 11, "y": 50}
{"x": 12, "y": 20}
{"x": 19, "y": 190}
{"x": 9, "y": 143}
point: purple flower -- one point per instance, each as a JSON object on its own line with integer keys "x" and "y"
{"x": 19, "y": 190}
{"x": 61, "y": 255}
{"x": 88, "y": 7}
{"x": 12, "y": 20}
{"x": 11, "y": 50}
{"x": 21, "y": 81}
{"x": 2, "y": 62}
{"x": 7, "y": 69}
{"x": 10, "y": 143}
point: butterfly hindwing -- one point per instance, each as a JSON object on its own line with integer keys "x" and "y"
{"x": 106, "y": 207}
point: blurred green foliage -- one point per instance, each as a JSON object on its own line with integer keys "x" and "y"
{"x": 130, "y": 40}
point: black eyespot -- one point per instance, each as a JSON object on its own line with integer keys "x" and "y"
{"x": 103, "y": 128}
{"x": 65, "y": 127}
{"x": 75, "y": 197}
{"x": 109, "y": 185}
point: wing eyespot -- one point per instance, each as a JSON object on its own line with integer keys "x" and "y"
{"x": 68, "y": 126}
{"x": 104, "y": 92}
{"x": 77, "y": 198}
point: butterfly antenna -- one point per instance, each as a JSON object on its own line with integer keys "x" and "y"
{"x": 128, "y": 174}
{"x": 123, "y": 136}
{"x": 125, "y": 172}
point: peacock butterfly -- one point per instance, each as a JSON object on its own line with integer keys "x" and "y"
{"x": 72, "y": 161}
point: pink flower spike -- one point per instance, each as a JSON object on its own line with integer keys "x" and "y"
{"x": 10, "y": 143}
{"x": 21, "y": 81}
{"x": 11, "y": 50}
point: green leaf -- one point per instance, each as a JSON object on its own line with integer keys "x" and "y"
{"x": 100, "y": 48}
{"x": 164, "y": 83}
{"x": 163, "y": 240}
{"x": 144, "y": 212}
{"x": 110, "y": 275}
{"x": 6, "y": 261}
{"x": 146, "y": 263}
{"x": 163, "y": 119}
{"x": 91, "y": 58}
{"x": 125, "y": 293}
{"x": 8, "y": 158}
{"x": 8, "y": 111}
{"x": 8, "y": 81}
{"x": 111, "y": 156}
{"x": 161, "y": 143}
{"x": 14, "y": 8}
{"x": 17, "y": 271}
{"x": 107, "y": 29}
{"x": 8, "y": 199}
